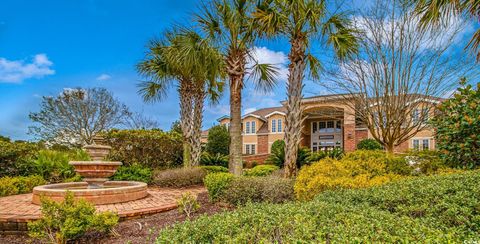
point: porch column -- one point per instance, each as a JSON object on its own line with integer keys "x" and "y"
{"x": 349, "y": 144}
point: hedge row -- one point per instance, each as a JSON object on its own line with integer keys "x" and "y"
{"x": 19, "y": 185}
{"x": 149, "y": 148}
{"x": 442, "y": 208}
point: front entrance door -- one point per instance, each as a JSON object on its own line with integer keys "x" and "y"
{"x": 326, "y": 135}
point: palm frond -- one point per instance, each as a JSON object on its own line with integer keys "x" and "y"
{"x": 153, "y": 91}
{"x": 341, "y": 36}
{"x": 314, "y": 66}
{"x": 264, "y": 76}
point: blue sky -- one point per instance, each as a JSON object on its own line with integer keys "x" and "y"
{"x": 49, "y": 45}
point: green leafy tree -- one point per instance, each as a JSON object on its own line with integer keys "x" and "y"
{"x": 301, "y": 21}
{"x": 230, "y": 24}
{"x": 184, "y": 57}
{"x": 218, "y": 140}
{"x": 458, "y": 127}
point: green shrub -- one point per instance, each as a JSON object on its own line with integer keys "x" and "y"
{"x": 218, "y": 141}
{"x": 179, "y": 177}
{"x": 19, "y": 184}
{"x": 261, "y": 170}
{"x": 188, "y": 204}
{"x": 258, "y": 189}
{"x": 214, "y": 159}
{"x": 434, "y": 209}
{"x": 69, "y": 220}
{"x": 214, "y": 169}
{"x": 458, "y": 127}
{"x": 369, "y": 144}
{"x": 217, "y": 183}
{"x": 149, "y": 148}
{"x": 356, "y": 170}
{"x": 277, "y": 155}
{"x": 134, "y": 172}
{"x": 16, "y": 157}
{"x": 336, "y": 153}
{"x": 53, "y": 165}
{"x": 426, "y": 161}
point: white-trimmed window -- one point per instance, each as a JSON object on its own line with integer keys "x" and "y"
{"x": 274, "y": 125}
{"x": 421, "y": 143}
{"x": 250, "y": 127}
{"x": 422, "y": 114}
{"x": 279, "y": 124}
{"x": 250, "y": 149}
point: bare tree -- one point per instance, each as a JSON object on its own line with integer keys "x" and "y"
{"x": 135, "y": 120}
{"x": 394, "y": 83}
{"x": 76, "y": 115}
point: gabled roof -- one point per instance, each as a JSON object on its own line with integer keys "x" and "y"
{"x": 264, "y": 113}
{"x": 223, "y": 117}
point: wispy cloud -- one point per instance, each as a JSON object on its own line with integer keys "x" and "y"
{"x": 103, "y": 77}
{"x": 17, "y": 71}
{"x": 264, "y": 55}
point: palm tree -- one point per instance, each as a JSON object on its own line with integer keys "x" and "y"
{"x": 300, "y": 21}
{"x": 229, "y": 23}
{"x": 185, "y": 57}
{"x": 433, "y": 13}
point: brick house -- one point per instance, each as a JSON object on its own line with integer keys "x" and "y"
{"x": 328, "y": 123}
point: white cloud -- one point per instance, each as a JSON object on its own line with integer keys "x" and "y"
{"x": 17, "y": 71}
{"x": 249, "y": 110}
{"x": 103, "y": 77}
{"x": 267, "y": 56}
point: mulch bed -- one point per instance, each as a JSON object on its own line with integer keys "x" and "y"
{"x": 141, "y": 230}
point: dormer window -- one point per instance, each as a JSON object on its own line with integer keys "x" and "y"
{"x": 274, "y": 126}
{"x": 250, "y": 127}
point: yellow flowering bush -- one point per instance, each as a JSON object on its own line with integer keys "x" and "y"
{"x": 356, "y": 170}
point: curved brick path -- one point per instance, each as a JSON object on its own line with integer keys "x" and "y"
{"x": 16, "y": 210}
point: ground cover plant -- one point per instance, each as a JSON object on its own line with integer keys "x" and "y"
{"x": 440, "y": 208}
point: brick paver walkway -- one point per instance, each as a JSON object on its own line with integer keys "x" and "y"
{"x": 19, "y": 208}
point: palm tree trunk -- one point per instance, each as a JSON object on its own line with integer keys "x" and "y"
{"x": 294, "y": 121}
{"x": 236, "y": 71}
{"x": 186, "y": 108}
{"x": 198, "y": 100}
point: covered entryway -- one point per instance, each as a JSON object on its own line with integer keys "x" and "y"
{"x": 328, "y": 124}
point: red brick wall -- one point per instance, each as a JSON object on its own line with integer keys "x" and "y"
{"x": 349, "y": 143}
{"x": 258, "y": 158}
{"x": 262, "y": 144}
{"x": 360, "y": 135}
{"x": 402, "y": 147}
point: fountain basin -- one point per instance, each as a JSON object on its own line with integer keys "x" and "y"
{"x": 112, "y": 192}
{"x": 95, "y": 173}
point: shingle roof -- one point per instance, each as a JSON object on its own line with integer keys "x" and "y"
{"x": 266, "y": 111}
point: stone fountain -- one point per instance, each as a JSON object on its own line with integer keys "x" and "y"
{"x": 95, "y": 187}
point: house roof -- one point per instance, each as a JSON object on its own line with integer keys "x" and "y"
{"x": 264, "y": 112}
{"x": 223, "y": 117}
